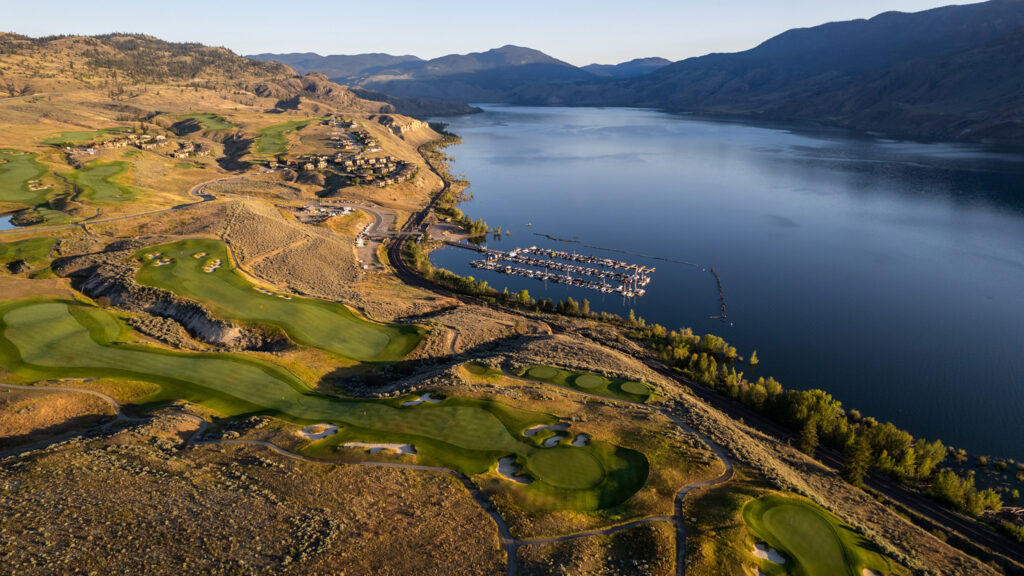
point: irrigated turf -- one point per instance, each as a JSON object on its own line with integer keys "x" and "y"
{"x": 42, "y": 339}
{"x": 84, "y": 136}
{"x": 211, "y": 122}
{"x": 35, "y": 251}
{"x": 590, "y": 383}
{"x": 325, "y": 325}
{"x": 96, "y": 181}
{"x": 815, "y": 542}
{"x": 15, "y": 173}
{"x": 272, "y": 139}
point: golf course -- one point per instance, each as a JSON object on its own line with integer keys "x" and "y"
{"x": 273, "y": 139}
{"x": 211, "y": 122}
{"x": 17, "y": 169}
{"x": 96, "y": 180}
{"x": 34, "y": 251}
{"x": 43, "y": 339}
{"x": 590, "y": 383}
{"x": 212, "y": 280}
{"x": 814, "y": 542}
{"x": 84, "y": 136}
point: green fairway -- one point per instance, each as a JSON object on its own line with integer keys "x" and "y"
{"x": 84, "y": 136}
{"x": 272, "y": 139}
{"x": 16, "y": 170}
{"x": 590, "y": 383}
{"x": 35, "y": 251}
{"x": 815, "y": 542}
{"x": 325, "y": 325}
{"x": 42, "y": 339}
{"x": 97, "y": 182}
{"x": 211, "y": 122}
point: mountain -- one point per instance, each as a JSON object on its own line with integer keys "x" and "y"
{"x": 476, "y": 77}
{"x": 336, "y": 65}
{"x": 951, "y": 73}
{"x": 637, "y": 67}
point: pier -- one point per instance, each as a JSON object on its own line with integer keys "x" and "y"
{"x": 604, "y": 274}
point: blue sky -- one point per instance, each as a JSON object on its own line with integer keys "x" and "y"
{"x": 578, "y": 31}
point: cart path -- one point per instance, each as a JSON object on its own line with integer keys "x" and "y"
{"x": 509, "y": 544}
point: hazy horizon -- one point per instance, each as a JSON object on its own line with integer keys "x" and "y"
{"x": 575, "y": 31}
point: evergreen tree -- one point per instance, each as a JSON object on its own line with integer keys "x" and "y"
{"x": 809, "y": 438}
{"x": 857, "y": 461}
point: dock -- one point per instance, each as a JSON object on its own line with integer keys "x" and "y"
{"x": 604, "y": 275}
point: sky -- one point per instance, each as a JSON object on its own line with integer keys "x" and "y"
{"x": 578, "y": 31}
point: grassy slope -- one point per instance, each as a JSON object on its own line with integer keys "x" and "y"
{"x": 211, "y": 122}
{"x": 96, "y": 180}
{"x": 818, "y": 542}
{"x": 15, "y": 173}
{"x": 83, "y": 136}
{"x": 315, "y": 323}
{"x": 273, "y": 140}
{"x": 52, "y": 339}
{"x": 35, "y": 251}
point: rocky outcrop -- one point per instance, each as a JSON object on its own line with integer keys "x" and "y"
{"x": 109, "y": 276}
{"x": 402, "y": 127}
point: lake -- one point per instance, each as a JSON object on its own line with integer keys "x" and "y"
{"x": 890, "y": 274}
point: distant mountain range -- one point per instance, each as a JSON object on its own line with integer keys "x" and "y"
{"x": 491, "y": 76}
{"x": 951, "y": 73}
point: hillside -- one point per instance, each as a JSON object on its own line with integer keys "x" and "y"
{"x": 476, "y": 77}
{"x": 33, "y": 65}
{"x": 949, "y": 73}
{"x": 635, "y": 67}
{"x": 335, "y": 65}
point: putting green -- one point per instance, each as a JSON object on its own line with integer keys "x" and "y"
{"x": 542, "y": 372}
{"x": 325, "y": 325}
{"x": 635, "y": 388}
{"x": 566, "y": 467}
{"x": 211, "y": 122}
{"x": 16, "y": 171}
{"x": 42, "y": 339}
{"x": 816, "y": 541}
{"x": 84, "y": 136}
{"x": 96, "y": 181}
{"x": 273, "y": 139}
{"x": 588, "y": 381}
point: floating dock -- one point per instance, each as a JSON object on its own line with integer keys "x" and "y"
{"x": 554, "y": 266}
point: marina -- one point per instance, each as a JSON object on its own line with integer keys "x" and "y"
{"x": 608, "y": 276}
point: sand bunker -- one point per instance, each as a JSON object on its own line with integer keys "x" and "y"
{"x": 152, "y": 255}
{"x": 318, "y": 431}
{"x": 425, "y": 398}
{"x": 581, "y": 440}
{"x": 508, "y": 468}
{"x": 374, "y": 448}
{"x": 532, "y": 430}
{"x": 284, "y": 296}
{"x": 163, "y": 262}
{"x": 212, "y": 265}
{"x": 263, "y": 291}
{"x": 553, "y": 441}
{"x": 869, "y": 572}
{"x": 199, "y": 255}
{"x": 765, "y": 552}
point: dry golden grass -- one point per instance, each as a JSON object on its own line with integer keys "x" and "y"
{"x": 231, "y": 509}
{"x": 31, "y": 416}
{"x": 647, "y": 550}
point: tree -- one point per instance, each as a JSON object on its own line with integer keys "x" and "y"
{"x": 809, "y": 437}
{"x": 857, "y": 461}
{"x": 585, "y": 307}
{"x": 753, "y": 359}
{"x": 524, "y": 298}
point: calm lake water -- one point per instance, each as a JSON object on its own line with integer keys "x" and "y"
{"x": 890, "y": 274}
